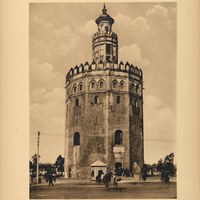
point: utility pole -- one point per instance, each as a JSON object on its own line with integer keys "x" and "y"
{"x": 38, "y": 144}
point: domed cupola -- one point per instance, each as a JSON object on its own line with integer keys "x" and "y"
{"x": 104, "y": 18}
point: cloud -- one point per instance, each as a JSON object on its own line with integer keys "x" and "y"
{"x": 162, "y": 19}
{"x": 141, "y": 23}
{"x": 158, "y": 11}
{"x": 160, "y": 121}
{"x": 42, "y": 96}
{"x": 49, "y": 43}
{"x": 45, "y": 76}
{"x": 89, "y": 28}
{"x": 133, "y": 55}
{"x": 64, "y": 39}
{"x": 123, "y": 20}
{"x": 47, "y": 111}
{"x": 127, "y": 23}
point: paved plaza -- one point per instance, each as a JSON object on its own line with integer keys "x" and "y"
{"x": 85, "y": 189}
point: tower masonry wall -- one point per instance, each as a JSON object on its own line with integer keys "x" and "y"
{"x": 105, "y": 103}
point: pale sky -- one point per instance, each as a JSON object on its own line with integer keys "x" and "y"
{"x": 61, "y": 38}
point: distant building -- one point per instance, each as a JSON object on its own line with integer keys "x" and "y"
{"x": 104, "y": 108}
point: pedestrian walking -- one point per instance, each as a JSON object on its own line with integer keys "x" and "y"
{"x": 50, "y": 178}
{"x": 107, "y": 178}
{"x": 144, "y": 172}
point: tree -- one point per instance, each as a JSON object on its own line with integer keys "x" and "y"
{"x": 60, "y": 163}
{"x": 45, "y": 167}
{"x": 159, "y": 166}
{"x": 167, "y": 167}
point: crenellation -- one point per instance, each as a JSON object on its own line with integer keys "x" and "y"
{"x": 81, "y": 68}
{"x": 93, "y": 65}
{"x": 127, "y": 68}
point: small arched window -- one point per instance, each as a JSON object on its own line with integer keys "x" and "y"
{"x": 101, "y": 84}
{"x": 96, "y": 99}
{"x": 81, "y": 87}
{"x": 92, "y": 85}
{"x": 114, "y": 84}
{"x": 122, "y": 85}
{"x": 75, "y": 89}
{"x": 77, "y": 102}
{"x": 118, "y": 137}
{"x": 76, "y": 139}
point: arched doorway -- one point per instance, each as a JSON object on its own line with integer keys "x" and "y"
{"x": 76, "y": 154}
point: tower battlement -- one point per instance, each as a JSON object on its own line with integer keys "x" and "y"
{"x": 83, "y": 68}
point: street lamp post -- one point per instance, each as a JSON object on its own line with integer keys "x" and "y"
{"x": 38, "y": 144}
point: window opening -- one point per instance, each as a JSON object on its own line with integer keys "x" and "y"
{"x": 122, "y": 85}
{"x": 101, "y": 84}
{"x": 74, "y": 89}
{"x": 96, "y": 99}
{"x": 108, "y": 47}
{"x": 81, "y": 87}
{"x": 114, "y": 84}
{"x": 77, "y": 102}
{"x": 93, "y": 85}
{"x": 118, "y": 137}
{"x": 76, "y": 139}
{"x": 118, "y": 99}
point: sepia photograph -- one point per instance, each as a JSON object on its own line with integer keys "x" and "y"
{"x": 103, "y": 100}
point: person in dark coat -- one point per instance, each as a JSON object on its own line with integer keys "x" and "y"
{"x": 98, "y": 177}
{"x": 144, "y": 172}
{"x": 50, "y": 178}
{"x": 107, "y": 178}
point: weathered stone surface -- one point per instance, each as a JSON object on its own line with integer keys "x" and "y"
{"x": 109, "y": 101}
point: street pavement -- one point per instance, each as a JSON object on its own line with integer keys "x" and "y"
{"x": 86, "y": 189}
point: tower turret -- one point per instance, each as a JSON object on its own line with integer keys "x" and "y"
{"x": 105, "y": 41}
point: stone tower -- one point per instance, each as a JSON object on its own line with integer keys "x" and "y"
{"x": 104, "y": 108}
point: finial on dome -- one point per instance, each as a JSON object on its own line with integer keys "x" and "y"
{"x": 104, "y": 11}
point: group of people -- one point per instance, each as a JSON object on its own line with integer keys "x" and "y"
{"x": 107, "y": 177}
{"x": 50, "y": 178}
{"x": 123, "y": 172}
